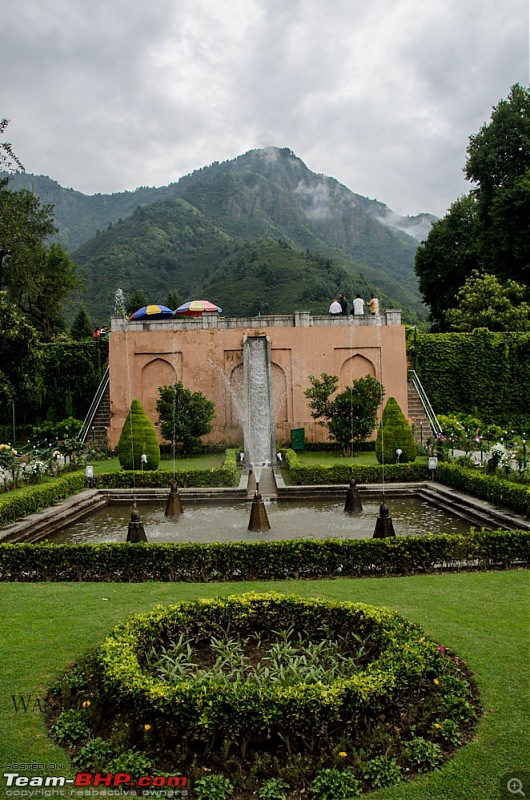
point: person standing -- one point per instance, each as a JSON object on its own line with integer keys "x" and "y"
{"x": 358, "y": 306}
{"x": 344, "y": 305}
{"x": 335, "y": 308}
{"x": 373, "y": 304}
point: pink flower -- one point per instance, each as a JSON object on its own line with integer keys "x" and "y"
{"x": 441, "y": 649}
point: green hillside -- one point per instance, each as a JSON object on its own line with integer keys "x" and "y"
{"x": 162, "y": 247}
{"x": 182, "y": 236}
{"x": 270, "y": 277}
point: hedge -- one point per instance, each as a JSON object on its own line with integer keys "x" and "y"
{"x": 278, "y": 560}
{"x": 14, "y": 506}
{"x": 498, "y": 492}
{"x": 482, "y": 373}
{"x": 363, "y": 473}
{"x": 17, "y": 506}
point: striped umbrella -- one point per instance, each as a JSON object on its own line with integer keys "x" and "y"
{"x": 194, "y": 308}
{"x": 152, "y": 312}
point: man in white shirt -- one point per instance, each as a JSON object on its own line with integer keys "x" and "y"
{"x": 358, "y": 306}
{"x": 335, "y": 307}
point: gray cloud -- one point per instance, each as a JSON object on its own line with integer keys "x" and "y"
{"x": 105, "y": 96}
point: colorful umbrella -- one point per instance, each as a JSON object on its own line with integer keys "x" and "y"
{"x": 195, "y": 308}
{"x": 152, "y": 312}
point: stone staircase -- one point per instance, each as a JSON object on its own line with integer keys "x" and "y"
{"x": 100, "y": 423}
{"x": 418, "y": 418}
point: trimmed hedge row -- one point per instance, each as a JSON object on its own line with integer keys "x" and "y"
{"x": 293, "y": 559}
{"x": 363, "y": 473}
{"x": 499, "y": 492}
{"x": 14, "y": 507}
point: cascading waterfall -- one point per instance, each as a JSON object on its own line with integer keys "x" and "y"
{"x": 258, "y": 423}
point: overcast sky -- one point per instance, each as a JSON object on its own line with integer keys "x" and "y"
{"x": 107, "y": 95}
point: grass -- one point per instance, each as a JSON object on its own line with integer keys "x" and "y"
{"x": 181, "y": 463}
{"x": 328, "y": 458}
{"x": 483, "y": 617}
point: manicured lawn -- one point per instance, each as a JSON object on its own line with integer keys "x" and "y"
{"x": 327, "y": 458}
{"x": 483, "y": 617}
{"x": 181, "y": 463}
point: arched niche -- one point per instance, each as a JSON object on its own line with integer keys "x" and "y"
{"x": 353, "y": 368}
{"x": 157, "y": 372}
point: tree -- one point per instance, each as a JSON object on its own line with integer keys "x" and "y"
{"x": 484, "y": 302}
{"x": 499, "y": 164}
{"x": 40, "y": 285}
{"x": 138, "y": 438}
{"x": 446, "y": 258}
{"x": 500, "y": 151}
{"x": 183, "y": 416}
{"x": 18, "y": 352}
{"x": 136, "y": 301}
{"x": 394, "y": 434}
{"x": 173, "y": 300}
{"x": 9, "y": 162}
{"x": 351, "y": 416}
{"x": 25, "y": 224}
{"x": 488, "y": 229}
{"x": 81, "y": 327}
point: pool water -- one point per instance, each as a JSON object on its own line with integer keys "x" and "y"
{"x": 311, "y": 519}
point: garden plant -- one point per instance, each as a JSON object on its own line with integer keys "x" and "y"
{"x": 138, "y": 446}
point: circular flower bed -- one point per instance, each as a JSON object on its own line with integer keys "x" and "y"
{"x": 267, "y": 687}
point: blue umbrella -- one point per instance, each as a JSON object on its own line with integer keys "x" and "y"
{"x": 152, "y": 312}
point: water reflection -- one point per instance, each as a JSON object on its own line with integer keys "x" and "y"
{"x": 311, "y": 519}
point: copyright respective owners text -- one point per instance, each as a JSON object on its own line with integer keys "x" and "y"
{"x": 33, "y": 780}
{"x": 515, "y": 784}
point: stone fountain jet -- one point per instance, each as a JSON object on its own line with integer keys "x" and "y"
{"x": 136, "y": 530}
{"x": 384, "y": 527}
{"x": 258, "y": 515}
{"x": 353, "y": 503}
{"x": 174, "y": 503}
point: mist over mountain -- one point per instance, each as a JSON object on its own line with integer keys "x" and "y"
{"x": 237, "y": 222}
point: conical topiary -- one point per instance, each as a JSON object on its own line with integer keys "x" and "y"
{"x": 394, "y": 434}
{"x": 138, "y": 437}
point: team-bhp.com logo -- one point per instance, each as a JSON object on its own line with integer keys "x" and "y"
{"x": 13, "y": 780}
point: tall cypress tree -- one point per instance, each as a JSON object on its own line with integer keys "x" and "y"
{"x": 394, "y": 434}
{"x": 137, "y": 438}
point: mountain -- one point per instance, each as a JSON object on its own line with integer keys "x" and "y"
{"x": 189, "y": 236}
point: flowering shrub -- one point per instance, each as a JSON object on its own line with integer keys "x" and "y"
{"x": 10, "y": 466}
{"x": 500, "y": 459}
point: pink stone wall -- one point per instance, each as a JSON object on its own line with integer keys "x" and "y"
{"x": 206, "y": 355}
